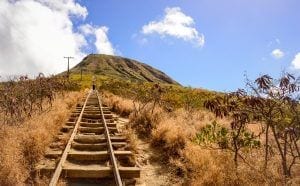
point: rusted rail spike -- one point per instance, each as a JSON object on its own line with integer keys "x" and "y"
{"x": 110, "y": 147}
{"x": 58, "y": 169}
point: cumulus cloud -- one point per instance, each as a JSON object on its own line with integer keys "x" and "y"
{"x": 102, "y": 43}
{"x": 177, "y": 24}
{"x": 66, "y": 6}
{"x": 296, "y": 61}
{"x": 277, "y": 53}
{"x": 87, "y": 29}
{"x": 36, "y": 34}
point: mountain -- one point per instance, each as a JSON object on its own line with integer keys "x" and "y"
{"x": 119, "y": 67}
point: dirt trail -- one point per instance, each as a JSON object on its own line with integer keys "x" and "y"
{"x": 153, "y": 172}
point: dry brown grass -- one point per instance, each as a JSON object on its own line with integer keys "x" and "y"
{"x": 172, "y": 135}
{"x": 144, "y": 122}
{"x": 197, "y": 165}
{"x": 216, "y": 167}
{"x": 24, "y": 144}
{"x": 174, "y": 130}
{"x": 132, "y": 139}
{"x": 171, "y": 138}
{"x": 123, "y": 107}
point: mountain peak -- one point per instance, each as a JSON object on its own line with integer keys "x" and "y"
{"x": 120, "y": 67}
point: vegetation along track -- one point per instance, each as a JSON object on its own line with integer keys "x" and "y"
{"x": 95, "y": 152}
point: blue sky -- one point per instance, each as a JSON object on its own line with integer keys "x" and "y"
{"x": 238, "y": 36}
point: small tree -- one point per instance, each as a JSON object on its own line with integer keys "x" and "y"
{"x": 230, "y": 105}
{"x": 146, "y": 97}
{"x": 275, "y": 103}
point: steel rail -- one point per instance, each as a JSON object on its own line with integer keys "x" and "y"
{"x": 116, "y": 172}
{"x": 63, "y": 158}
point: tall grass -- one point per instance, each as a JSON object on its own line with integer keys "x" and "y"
{"x": 23, "y": 144}
{"x": 123, "y": 107}
{"x": 173, "y": 135}
{"x": 21, "y": 97}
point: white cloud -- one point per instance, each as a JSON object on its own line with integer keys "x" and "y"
{"x": 66, "y": 6}
{"x": 87, "y": 29}
{"x": 102, "y": 43}
{"x": 175, "y": 23}
{"x": 35, "y": 35}
{"x": 277, "y": 53}
{"x": 296, "y": 61}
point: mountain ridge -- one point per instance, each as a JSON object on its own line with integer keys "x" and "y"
{"x": 121, "y": 67}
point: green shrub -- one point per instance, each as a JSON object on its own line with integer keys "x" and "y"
{"x": 223, "y": 137}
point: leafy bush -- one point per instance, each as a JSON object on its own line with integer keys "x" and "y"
{"x": 223, "y": 137}
{"x": 213, "y": 133}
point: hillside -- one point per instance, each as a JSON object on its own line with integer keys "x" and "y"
{"x": 119, "y": 67}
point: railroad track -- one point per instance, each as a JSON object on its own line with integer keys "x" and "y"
{"x": 93, "y": 150}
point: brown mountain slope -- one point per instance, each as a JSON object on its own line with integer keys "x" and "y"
{"x": 119, "y": 67}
